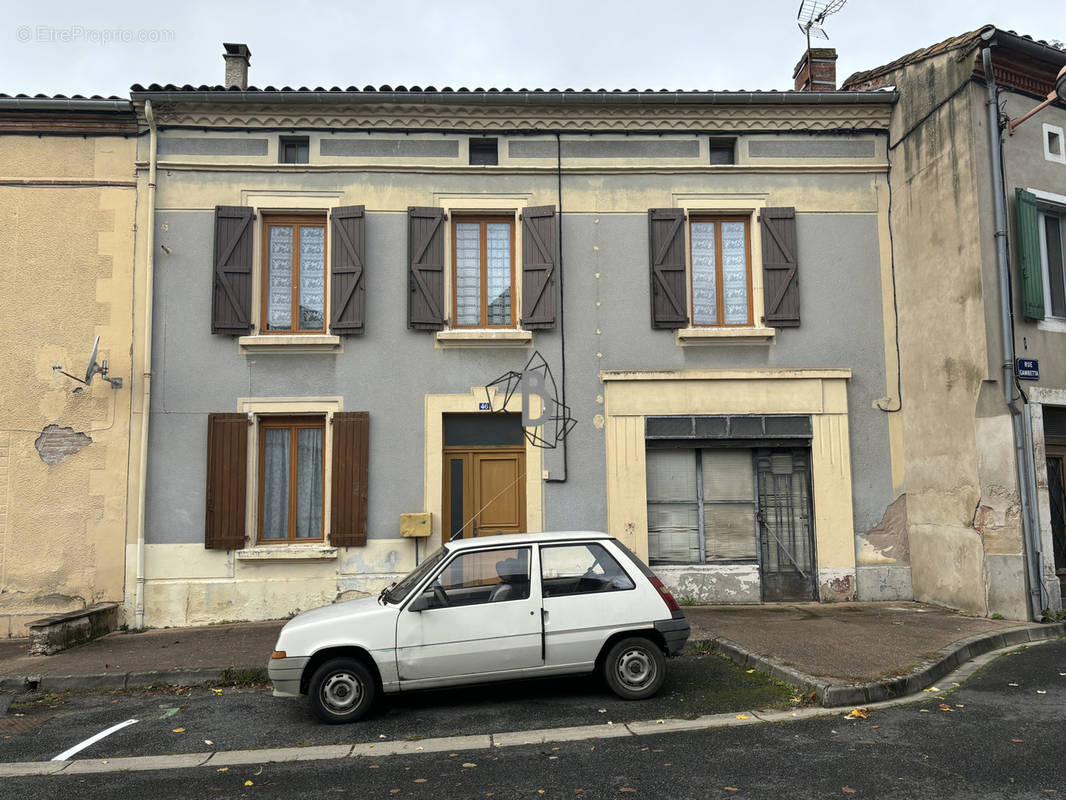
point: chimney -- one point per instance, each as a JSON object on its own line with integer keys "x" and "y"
{"x": 237, "y": 58}
{"x": 820, "y": 75}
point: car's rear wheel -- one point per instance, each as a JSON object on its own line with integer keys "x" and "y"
{"x": 634, "y": 668}
{"x": 342, "y": 690}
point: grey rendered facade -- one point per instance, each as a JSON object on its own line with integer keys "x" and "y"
{"x": 601, "y": 161}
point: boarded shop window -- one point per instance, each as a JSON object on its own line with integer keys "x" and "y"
{"x": 701, "y": 505}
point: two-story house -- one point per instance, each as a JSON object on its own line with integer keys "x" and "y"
{"x": 978, "y": 213}
{"x": 343, "y": 282}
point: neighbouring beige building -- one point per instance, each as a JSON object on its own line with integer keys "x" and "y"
{"x": 984, "y": 414}
{"x": 67, "y": 203}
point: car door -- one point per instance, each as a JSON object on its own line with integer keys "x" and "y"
{"x": 480, "y": 615}
{"x": 587, "y": 596}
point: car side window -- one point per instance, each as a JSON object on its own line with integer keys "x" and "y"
{"x": 482, "y": 576}
{"x": 580, "y": 569}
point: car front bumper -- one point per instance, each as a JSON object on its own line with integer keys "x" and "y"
{"x": 285, "y": 674}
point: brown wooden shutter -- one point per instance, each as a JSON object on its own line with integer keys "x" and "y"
{"x": 780, "y": 283}
{"x": 666, "y": 235}
{"x": 425, "y": 251}
{"x": 351, "y": 449}
{"x": 348, "y": 279}
{"x": 231, "y": 302}
{"x": 538, "y": 267}
{"x": 227, "y": 481}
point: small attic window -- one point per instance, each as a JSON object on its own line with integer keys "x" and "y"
{"x": 722, "y": 150}
{"x": 484, "y": 151}
{"x": 1054, "y": 148}
{"x": 293, "y": 149}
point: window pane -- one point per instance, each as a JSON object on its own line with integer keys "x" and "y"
{"x": 312, "y": 278}
{"x": 279, "y": 280}
{"x": 1053, "y": 244}
{"x": 498, "y": 279}
{"x": 704, "y": 274}
{"x": 309, "y": 483}
{"x": 673, "y": 533}
{"x": 579, "y": 569}
{"x": 671, "y": 475}
{"x": 728, "y": 475}
{"x": 467, "y": 273}
{"x": 729, "y": 530}
{"x": 275, "y": 483}
{"x": 735, "y": 272}
{"x": 487, "y": 576}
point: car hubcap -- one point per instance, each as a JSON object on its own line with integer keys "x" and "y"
{"x": 635, "y": 668}
{"x": 341, "y": 692}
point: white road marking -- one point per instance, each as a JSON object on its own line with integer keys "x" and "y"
{"x": 66, "y": 754}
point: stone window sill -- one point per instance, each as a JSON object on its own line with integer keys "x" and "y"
{"x": 290, "y": 343}
{"x": 484, "y": 337}
{"x": 701, "y": 336}
{"x": 287, "y": 552}
{"x": 1052, "y": 324}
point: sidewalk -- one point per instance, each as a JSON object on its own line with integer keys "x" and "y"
{"x": 847, "y": 653}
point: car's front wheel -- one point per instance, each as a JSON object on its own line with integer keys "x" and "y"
{"x": 634, "y": 668}
{"x": 342, "y": 690}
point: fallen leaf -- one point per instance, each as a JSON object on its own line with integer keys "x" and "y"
{"x": 743, "y": 716}
{"x": 946, "y": 707}
{"x": 750, "y": 671}
{"x": 1017, "y": 741}
{"x": 931, "y": 689}
{"x": 217, "y": 691}
{"x": 858, "y": 713}
{"x": 602, "y": 710}
{"x": 923, "y": 710}
{"x": 452, "y": 755}
{"x": 875, "y": 726}
{"x": 1041, "y": 691}
{"x": 257, "y": 772}
{"x": 208, "y": 741}
{"x": 960, "y": 705}
{"x": 249, "y": 783}
{"x": 626, "y": 789}
{"x": 178, "y": 730}
{"x": 375, "y": 766}
{"x": 222, "y": 769}
{"x": 382, "y": 736}
{"x": 1012, "y": 684}
{"x": 420, "y": 780}
{"x": 469, "y": 765}
{"x": 731, "y": 788}
{"x": 847, "y": 789}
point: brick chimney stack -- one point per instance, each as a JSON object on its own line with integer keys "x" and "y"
{"x": 237, "y": 58}
{"x": 820, "y": 75}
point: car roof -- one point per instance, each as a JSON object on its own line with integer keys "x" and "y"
{"x": 513, "y": 539}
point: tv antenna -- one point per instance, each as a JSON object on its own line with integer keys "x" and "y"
{"x": 811, "y": 17}
{"x": 93, "y": 369}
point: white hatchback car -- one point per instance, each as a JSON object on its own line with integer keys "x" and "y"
{"x": 487, "y": 609}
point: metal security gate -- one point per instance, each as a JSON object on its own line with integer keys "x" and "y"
{"x": 786, "y": 535}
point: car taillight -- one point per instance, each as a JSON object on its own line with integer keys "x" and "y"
{"x": 668, "y": 598}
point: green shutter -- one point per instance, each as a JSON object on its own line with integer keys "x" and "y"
{"x": 1029, "y": 254}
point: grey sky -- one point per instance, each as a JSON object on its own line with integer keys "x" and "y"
{"x": 68, "y": 47}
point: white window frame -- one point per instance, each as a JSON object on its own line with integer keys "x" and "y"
{"x": 1054, "y": 204}
{"x": 1050, "y": 133}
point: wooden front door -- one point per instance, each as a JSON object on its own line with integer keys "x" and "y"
{"x": 484, "y": 476}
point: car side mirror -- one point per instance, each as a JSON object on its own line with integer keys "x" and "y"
{"x": 420, "y": 604}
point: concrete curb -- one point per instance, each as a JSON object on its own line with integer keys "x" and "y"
{"x": 113, "y": 680}
{"x": 925, "y": 673}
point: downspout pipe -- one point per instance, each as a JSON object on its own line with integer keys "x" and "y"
{"x": 149, "y": 272}
{"x": 1022, "y": 444}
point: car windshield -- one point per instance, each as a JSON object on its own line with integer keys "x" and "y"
{"x": 399, "y": 593}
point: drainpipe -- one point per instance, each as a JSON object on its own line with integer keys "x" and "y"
{"x": 1022, "y": 443}
{"x": 153, "y": 140}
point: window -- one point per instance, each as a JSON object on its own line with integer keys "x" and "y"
{"x": 484, "y": 576}
{"x": 720, "y": 279}
{"x": 484, "y": 151}
{"x": 291, "y": 478}
{"x": 304, "y": 483}
{"x": 294, "y": 275}
{"x": 701, "y": 505}
{"x": 483, "y": 272}
{"x": 712, "y": 278}
{"x": 293, "y": 149}
{"x": 1052, "y": 228}
{"x": 722, "y": 151}
{"x": 580, "y": 569}
{"x": 1053, "y": 144}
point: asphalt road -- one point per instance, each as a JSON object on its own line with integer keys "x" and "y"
{"x": 1000, "y": 735}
